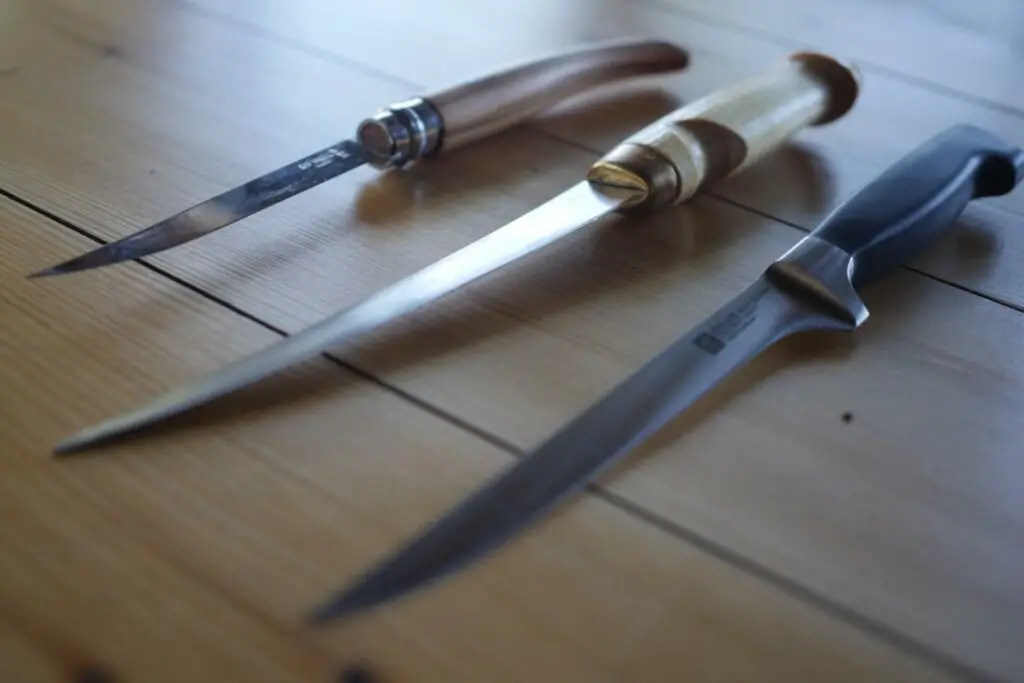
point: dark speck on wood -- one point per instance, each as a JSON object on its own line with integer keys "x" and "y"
{"x": 93, "y": 675}
{"x": 9, "y": 70}
{"x": 357, "y": 673}
{"x": 112, "y": 51}
{"x": 847, "y": 417}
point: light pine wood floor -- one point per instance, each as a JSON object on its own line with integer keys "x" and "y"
{"x": 761, "y": 537}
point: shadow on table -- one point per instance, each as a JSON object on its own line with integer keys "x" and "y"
{"x": 890, "y": 306}
{"x": 392, "y": 200}
{"x": 582, "y": 267}
{"x": 394, "y": 196}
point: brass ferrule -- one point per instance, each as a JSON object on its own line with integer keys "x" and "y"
{"x": 638, "y": 167}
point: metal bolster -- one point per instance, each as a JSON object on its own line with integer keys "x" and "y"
{"x": 822, "y": 270}
{"x": 402, "y": 133}
{"x": 641, "y": 168}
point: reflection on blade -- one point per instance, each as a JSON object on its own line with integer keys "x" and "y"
{"x": 222, "y": 210}
{"x": 569, "y": 211}
{"x": 589, "y": 444}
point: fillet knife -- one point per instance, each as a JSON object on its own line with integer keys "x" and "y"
{"x": 663, "y": 164}
{"x": 400, "y": 134}
{"x": 813, "y": 286}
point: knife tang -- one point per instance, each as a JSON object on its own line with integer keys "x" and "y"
{"x": 728, "y": 130}
{"x": 465, "y": 113}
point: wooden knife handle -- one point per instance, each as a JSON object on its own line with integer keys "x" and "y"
{"x": 482, "y": 107}
{"x": 728, "y": 130}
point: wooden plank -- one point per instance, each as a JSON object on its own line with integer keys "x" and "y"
{"x": 194, "y": 557}
{"x": 520, "y": 353}
{"x": 943, "y": 45}
{"x": 879, "y": 514}
{"x": 205, "y": 134}
{"x": 974, "y": 48}
{"x": 798, "y": 186}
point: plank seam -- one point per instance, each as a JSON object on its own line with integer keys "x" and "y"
{"x": 1006, "y": 303}
{"x": 694, "y": 15}
{"x": 359, "y": 372}
{"x": 805, "y": 595}
{"x": 302, "y": 48}
{"x": 868, "y": 65}
{"x": 697, "y": 16}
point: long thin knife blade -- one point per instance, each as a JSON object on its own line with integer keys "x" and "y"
{"x": 223, "y": 210}
{"x": 569, "y": 211}
{"x": 759, "y": 316}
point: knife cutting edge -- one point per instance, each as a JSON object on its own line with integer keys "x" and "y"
{"x": 813, "y": 286}
{"x": 419, "y": 128}
{"x": 664, "y": 164}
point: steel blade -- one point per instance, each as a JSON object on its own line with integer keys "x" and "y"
{"x": 222, "y": 210}
{"x": 759, "y": 316}
{"x": 574, "y": 208}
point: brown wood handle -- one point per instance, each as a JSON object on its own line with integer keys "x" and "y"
{"x": 725, "y": 132}
{"x": 482, "y": 107}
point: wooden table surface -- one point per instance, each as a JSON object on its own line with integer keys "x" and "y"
{"x": 761, "y": 537}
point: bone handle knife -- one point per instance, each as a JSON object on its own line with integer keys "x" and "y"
{"x": 662, "y": 164}
{"x": 397, "y": 135}
{"x": 725, "y": 132}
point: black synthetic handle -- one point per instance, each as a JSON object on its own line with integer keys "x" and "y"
{"x": 912, "y": 202}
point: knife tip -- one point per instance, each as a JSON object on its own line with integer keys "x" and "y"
{"x": 46, "y": 272}
{"x": 335, "y": 609}
{"x": 360, "y": 597}
{"x": 98, "y": 258}
{"x": 76, "y": 443}
{"x": 70, "y": 446}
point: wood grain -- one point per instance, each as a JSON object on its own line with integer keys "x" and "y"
{"x": 902, "y": 519}
{"x": 194, "y": 558}
{"x": 799, "y": 186}
{"x": 973, "y": 49}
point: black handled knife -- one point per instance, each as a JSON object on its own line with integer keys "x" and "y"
{"x": 813, "y": 286}
{"x": 402, "y": 133}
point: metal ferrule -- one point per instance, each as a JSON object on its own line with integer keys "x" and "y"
{"x": 401, "y": 133}
{"x": 641, "y": 168}
{"x": 823, "y": 270}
